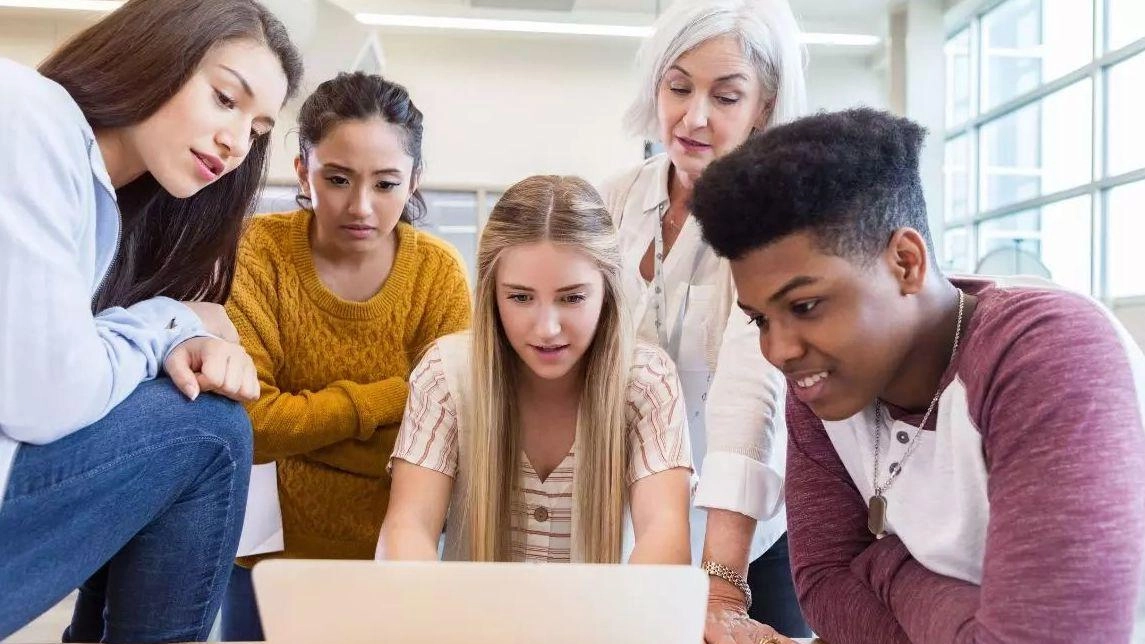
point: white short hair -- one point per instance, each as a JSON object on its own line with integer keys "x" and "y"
{"x": 771, "y": 44}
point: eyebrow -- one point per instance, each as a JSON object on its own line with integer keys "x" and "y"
{"x": 728, "y": 77}
{"x": 342, "y": 168}
{"x": 791, "y": 285}
{"x": 563, "y": 289}
{"x": 249, "y": 92}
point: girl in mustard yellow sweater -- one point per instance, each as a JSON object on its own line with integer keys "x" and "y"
{"x": 335, "y": 304}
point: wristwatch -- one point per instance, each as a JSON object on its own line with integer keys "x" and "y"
{"x": 732, "y": 577}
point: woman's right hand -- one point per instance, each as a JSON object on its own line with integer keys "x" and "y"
{"x": 215, "y": 320}
{"x": 728, "y": 623}
{"x": 210, "y": 364}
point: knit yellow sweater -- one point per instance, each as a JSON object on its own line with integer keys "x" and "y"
{"x": 334, "y": 375}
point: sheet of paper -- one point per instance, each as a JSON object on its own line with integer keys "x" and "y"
{"x": 262, "y": 526}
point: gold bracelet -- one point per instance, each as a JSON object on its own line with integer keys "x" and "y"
{"x": 716, "y": 569}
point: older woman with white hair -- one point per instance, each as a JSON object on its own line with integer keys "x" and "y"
{"x": 714, "y": 72}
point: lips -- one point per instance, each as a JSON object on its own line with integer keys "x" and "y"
{"x": 359, "y": 231}
{"x": 551, "y": 353}
{"x": 808, "y": 386}
{"x": 692, "y": 144}
{"x": 213, "y": 164}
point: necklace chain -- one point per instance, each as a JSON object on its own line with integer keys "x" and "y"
{"x": 880, "y": 489}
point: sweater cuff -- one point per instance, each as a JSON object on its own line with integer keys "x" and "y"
{"x": 377, "y": 403}
{"x": 734, "y": 482}
{"x": 177, "y": 320}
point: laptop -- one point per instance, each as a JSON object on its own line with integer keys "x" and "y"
{"x": 476, "y": 603}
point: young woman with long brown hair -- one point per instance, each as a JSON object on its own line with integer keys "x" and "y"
{"x": 540, "y": 432}
{"x": 130, "y": 159}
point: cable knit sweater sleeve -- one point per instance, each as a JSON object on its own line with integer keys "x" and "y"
{"x": 291, "y": 423}
{"x": 440, "y": 298}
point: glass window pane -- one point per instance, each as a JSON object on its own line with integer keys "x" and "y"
{"x": 1042, "y": 148}
{"x": 1126, "y": 22}
{"x": 491, "y": 199}
{"x": 274, "y": 198}
{"x": 958, "y": 78}
{"x": 1126, "y": 262}
{"x": 452, "y": 215}
{"x": 956, "y": 251}
{"x": 1026, "y": 43}
{"x": 1053, "y": 241}
{"x": 1126, "y": 107}
{"x": 957, "y": 171}
{"x": 450, "y": 208}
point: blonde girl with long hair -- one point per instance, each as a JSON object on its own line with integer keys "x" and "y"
{"x": 546, "y": 434}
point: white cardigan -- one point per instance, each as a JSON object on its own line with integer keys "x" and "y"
{"x": 736, "y": 411}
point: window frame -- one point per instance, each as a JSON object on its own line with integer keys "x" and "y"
{"x": 1099, "y": 185}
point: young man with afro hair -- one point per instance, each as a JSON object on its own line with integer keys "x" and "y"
{"x": 966, "y": 457}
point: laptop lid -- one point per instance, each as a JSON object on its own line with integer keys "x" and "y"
{"x": 408, "y": 602}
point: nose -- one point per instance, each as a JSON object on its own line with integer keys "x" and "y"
{"x": 362, "y": 202}
{"x": 235, "y": 140}
{"x": 780, "y": 345}
{"x": 547, "y": 324}
{"x": 698, "y": 108}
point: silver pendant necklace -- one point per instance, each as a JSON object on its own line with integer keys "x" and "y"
{"x": 877, "y": 505}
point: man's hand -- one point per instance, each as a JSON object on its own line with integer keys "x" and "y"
{"x": 210, "y": 364}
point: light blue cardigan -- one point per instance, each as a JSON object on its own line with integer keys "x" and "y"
{"x": 61, "y": 368}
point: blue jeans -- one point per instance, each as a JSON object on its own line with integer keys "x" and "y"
{"x": 143, "y": 508}
{"x": 241, "y": 621}
{"x": 773, "y": 592}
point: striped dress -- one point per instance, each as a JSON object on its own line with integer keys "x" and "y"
{"x": 432, "y": 436}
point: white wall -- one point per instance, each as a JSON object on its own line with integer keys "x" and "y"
{"x": 837, "y": 82}
{"x": 497, "y": 108}
{"x": 29, "y": 39}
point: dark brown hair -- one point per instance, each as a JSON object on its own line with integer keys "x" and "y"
{"x": 120, "y": 71}
{"x": 359, "y": 96}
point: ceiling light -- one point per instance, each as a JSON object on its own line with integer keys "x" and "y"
{"x": 575, "y": 28}
{"x": 73, "y": 5}
{"x": 839, "y": 40}
{"x": 486, "y": 24}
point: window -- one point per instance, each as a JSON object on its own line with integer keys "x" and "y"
{"x": 457, "y": 216}
{"x": 958, "y": 78}
{"x": 956, "y": 251}
{"x": 491, "y": 199}
{"x": 1126, "y": 114}
{"x": 277, "y": 198}
{"x": 1044, "y": 165}
{"x": 453, "y": 216}
{"x": 1126, "y": 22}
{"x": 1053, "y": 242}
{"x": 1026, "y": 43}
{"x": 957, "y": 171}
{"x": 1126, "y": 234}
{"x": 1041, "y": 148}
